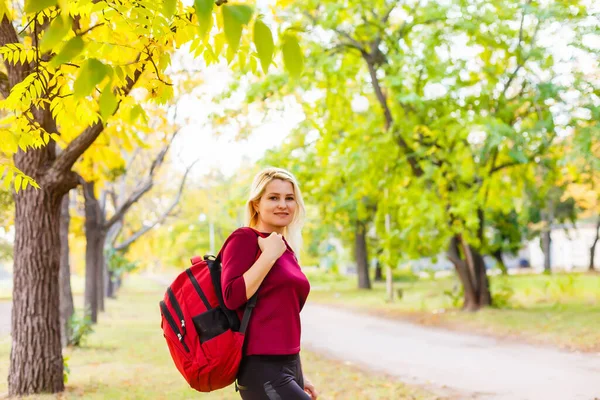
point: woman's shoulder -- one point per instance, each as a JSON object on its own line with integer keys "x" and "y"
{"x": 241, "y": 239}
{"x": 244, "y": 233}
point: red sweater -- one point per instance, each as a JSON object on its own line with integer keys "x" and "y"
{"x": 274, "y": 326}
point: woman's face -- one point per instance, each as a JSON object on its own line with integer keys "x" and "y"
{"x": 277, "y": 206}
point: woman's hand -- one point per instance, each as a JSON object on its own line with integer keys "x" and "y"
{"x": 310, "y": 389}
{"x": 272, "y": 246}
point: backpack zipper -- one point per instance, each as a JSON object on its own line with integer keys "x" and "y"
{"x": 177, "y": 309}
{"x": 172, "y": 324}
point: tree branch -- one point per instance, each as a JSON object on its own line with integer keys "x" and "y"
{"x": 83, "y": 141}
{"x": 144, "y": 188}
{"x": 8, "y": 34}
{"x": 125, "y": 244}
{"x": 4, "y": 86}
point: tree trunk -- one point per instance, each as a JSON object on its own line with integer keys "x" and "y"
{"x": 93, "y": 243}
{"x": 593, "y": 248}
{"x": 66, "y": 295}
{"x": 36, "y": 362}
{"x": 471, "y": 271}
{"x": 498, "y": 256}
{"x": 378, "y": 272}
{"x": 111, "y": 287}
{"x": 546, "y": 239}
{"x": 101, "y": 271}
{"x": 546, "y": 249}
{"x": 360, "y": 254}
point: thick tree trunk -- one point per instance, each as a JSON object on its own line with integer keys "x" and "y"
{"x": 93, "y": 243}
{"x": 472, "y": 274}
{"x": 360, "y": 255}
{"x": 66, "y": 295}
{"x": 36, "y": 362}
{"x": 593, "y": 248}
{"x": 498, "y": 256}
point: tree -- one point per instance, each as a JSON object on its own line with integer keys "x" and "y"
{"x": 450, "y": 134}
{"x": 69, "y": 70}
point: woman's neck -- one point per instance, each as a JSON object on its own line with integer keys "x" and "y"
{"x": 269, "y": 228}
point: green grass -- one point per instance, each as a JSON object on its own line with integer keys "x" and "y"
{"x": 560, "y": 309}
{"x": 126, "y": 358}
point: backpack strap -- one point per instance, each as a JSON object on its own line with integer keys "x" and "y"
{"x": 251, "y": 304}
{"x": 248, "y": 312}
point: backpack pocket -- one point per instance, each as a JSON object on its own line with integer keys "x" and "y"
{"x": 210, "y": 324}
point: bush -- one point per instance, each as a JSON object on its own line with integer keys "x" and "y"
{"x": 502, "y": 294}
{"x": 404, "y": 275}
{"x": 81, "y": 328}
{"x": 455, "y": 295}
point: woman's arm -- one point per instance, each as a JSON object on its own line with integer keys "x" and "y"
{"x": 242, "y": 274}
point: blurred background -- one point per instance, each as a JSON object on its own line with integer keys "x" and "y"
{"x": 448, "y": 152}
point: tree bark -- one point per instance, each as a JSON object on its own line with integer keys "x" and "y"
{"x": 101, "y": 274}
{"x": 36, "y": 362}
{"x": 547, "y": 217}
{"x": 378, "y": 272}
{"x": 111, "y": 287}
{"x": 360, "y": 254}
{"x": 473, "y": 279}
{"x": 547, "y": 248}
{"x": 93, "y": 243}
{"x": 593, "y": 248}
{"x": 66, "y": 295}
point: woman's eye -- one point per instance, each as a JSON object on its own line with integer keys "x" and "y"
{"x": 290, "y": 199}
{"x": 273, "y": 198}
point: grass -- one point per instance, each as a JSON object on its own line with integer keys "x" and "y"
{"x": 560, "y": 310}
{"x": 126, "y": 358}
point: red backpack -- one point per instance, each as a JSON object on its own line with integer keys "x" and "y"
{"x": 205, "y": 338}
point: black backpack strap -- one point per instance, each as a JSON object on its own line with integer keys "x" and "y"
{"x": 248, "y": 312}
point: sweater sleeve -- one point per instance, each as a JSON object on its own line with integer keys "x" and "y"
{"x": 238, "y": 256}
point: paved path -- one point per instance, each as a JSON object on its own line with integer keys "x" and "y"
{"x": 476, "y": 367}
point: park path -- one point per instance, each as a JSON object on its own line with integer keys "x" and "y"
{"x": 452, "y": 363}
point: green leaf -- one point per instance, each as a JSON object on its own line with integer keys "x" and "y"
{"x": 292, "y": 55}
{"x": 53, "y": 36}
{"x": 234, "y": 17}
{"x": 70, "y": 51}
{"x": 263, "y": 40}
{"x": 169, "y": 8}
{"x": 34, "y": 6}
{"x": 108, "y": 102}
{"x": 204, "y": 13}
{"x": 518, "y": 156}
{"x": 91, "y": 74}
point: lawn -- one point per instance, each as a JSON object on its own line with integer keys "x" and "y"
{"x": 126, "y": 358}
{"x": 561, "y": 310}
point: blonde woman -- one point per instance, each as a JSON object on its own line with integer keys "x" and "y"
{"x": 271, "y": 367}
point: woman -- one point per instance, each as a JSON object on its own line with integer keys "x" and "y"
{"x": 271, "y": 367}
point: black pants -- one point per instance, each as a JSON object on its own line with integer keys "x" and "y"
{"x": 271, "y": 378}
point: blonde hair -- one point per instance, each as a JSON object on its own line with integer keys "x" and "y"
{"x": 292, "y": 232}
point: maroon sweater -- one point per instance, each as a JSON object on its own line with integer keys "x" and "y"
{"x": 274, "y": 326}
